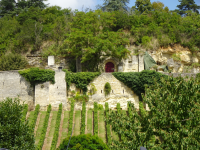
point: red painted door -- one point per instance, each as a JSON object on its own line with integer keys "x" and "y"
{"x": 109, "y": 67}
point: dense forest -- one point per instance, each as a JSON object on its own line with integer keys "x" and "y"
{"x": 31, "y": 26}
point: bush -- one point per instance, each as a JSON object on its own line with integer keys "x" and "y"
{"x": 35, "y": 115}
{"x": 12, "y": 62}
{"x": 14, "y": 133}
{"x": 25, "y": 110}
{"x": 85, "y": 141}
{"x": 107, "y": 88}
{"x": 36, "y": 75}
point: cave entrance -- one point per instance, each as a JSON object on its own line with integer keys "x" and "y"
{"x": 109, "y": 67}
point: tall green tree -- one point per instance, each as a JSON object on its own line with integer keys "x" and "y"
{"x": 143, "y": 5}
{"x": 186, "y": 5}
{"x": 115, "y": 5}
{"x": 7, "y": 6}
{"x": 91, "y": 39}
{"x": 14, "y": 134}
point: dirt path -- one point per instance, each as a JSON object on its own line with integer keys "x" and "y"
{"x": 73, "y": 123}
{"x": 37, "y": 123}
{"x": 47, "y": 133}
{"x": 27, "y": 115}
{"x": 86, "y": 122}
{"x": 60, "y": 129}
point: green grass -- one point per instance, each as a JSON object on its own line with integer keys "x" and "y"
{"x": 30, "y": 118}
{"x": 77, "y": 123}
{"x": 65, "y": 125}
{"x": 102, "y": 130}
{"x": 89, "y": 122}
{"x": 51, "y": 131}
{"x": 40, "y": 125}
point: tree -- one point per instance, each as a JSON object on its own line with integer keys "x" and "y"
{"x": 90, "y": 39}
{"x": 115, "y": 5}
{"x": 173, "y": 121}
{"x": 14, "y": 134}
{"x": 7, "y": 6}
{"x": 186, "y": 5}
{"x": 159, "y": 6}
{"x": 85, "y": 141}
{"x": 143, "y": 5}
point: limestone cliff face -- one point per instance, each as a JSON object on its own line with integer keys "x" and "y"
{"x": 177, "y": 58}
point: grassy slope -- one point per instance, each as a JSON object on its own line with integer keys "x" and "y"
{"x": 77, "y": 123}
{"x": 65, "y": 125}
{"x": 89, "y": 122}
{"x": 102, "y": 131}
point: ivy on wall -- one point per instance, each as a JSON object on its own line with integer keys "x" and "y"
{"x": 80, "y": 79}
{"x": 36, "y": 75}
{"x": 136, "y": 81}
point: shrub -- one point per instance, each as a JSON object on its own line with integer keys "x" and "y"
{"x": 12, "y": 62}
{"x": 57, "y": 127}
{"x": 14, "y": 133}
{"x": 35, "y": 115}
{"x": 36, "y": 75}
{"x": 107, "y": 88}
{"x": 25, "y": 110}
{"x": 85, "y": 141}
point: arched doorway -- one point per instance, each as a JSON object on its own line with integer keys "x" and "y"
{"x": 109, "y": 67}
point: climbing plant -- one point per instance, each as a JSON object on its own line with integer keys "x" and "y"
{"x": 80, "y": 79}
{"x": 137, "y": 80}
{"x": 107, "y": 88}
{"x": 36, "y": 75}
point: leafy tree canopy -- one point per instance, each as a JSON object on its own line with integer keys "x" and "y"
{"x": 186, "y": 5}
{"x": 115, "y": 5}
{"x": 14, "y": 134}
{"x": 172, "y": 122}
{"x": 143, "y": 5}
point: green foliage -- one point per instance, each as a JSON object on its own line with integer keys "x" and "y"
{"x": 137, "y": 80}
{"x": 36, "y": 75}
{"x": 44, "y": 129}
{"x": 12, "y": 62}
{"x": 107, "y": 88}
{"x": 35, "y": 115}
{"x": 108, "y": 132}
{"x": 118, "y": 108}
{"x": 93, "y": 89}
{"x": 173, "y": 119}
{"x": 57, "y": 127}
{"x": 176, "y": 57}
{"x": 71, "y": 116}
{"x": 143, "y": 5}
{"x": 146, "y": 40}
{"x": 83, "y": 116}
{"x": 186, "y": 5}
{"x": 100, "y": 107}
{"x": 142, "y": 110}
{"x": 81, "y": 98}
{"x": 95, "y": 118}
{"x": 14, "y": 132}
{"x": 115, "y": 5}
{"x": 81, "y": 79}
{"x": 25, "y": 110}
{"x": 85, "y": 141}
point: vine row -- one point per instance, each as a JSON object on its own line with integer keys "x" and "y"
{"x": 35, "y": 115}
{"x": 25, "y": 110}
{"x": 83, "y": 115}
{"x": 44, "y": 128}
{"x": 107, "y": 124}
{"x": 57, "y": 127}
{"x": 95, "y": 118}
{"x": 71, "y": 113}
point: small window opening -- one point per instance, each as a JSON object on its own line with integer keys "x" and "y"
{"x": 129, "y": 62}
{"x": 101, "y": 91}
{"x": 112, "y": 91}
{"x": 59, "y": 68}
{"x": 123, "y": 91}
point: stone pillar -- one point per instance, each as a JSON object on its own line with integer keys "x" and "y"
{"x": 51, "y": 61}
{"x": 141, "y": 63}
{"x": 42, "y": 95}
{"x": 135, "y": 63}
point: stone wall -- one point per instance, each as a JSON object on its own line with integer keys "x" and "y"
{"x": 12, "y": 85}
{"x": 120, "y": 93}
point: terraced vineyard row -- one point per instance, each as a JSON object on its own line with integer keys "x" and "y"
{"x": 51, "y": 127}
